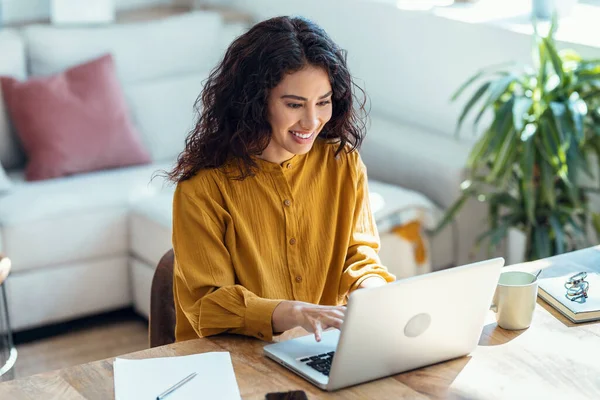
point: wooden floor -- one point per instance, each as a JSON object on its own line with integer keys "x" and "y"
{"x": 79, "y": 342}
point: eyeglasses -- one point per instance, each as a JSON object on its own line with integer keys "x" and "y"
{"x": 577, "y": 287}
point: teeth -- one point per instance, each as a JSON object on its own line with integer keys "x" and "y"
{"x": 301, "y": 135}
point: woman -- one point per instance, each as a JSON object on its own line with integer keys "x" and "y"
{"x": 271, "y": 221}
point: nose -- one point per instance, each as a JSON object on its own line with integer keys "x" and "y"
{"x": 310, "y": 119}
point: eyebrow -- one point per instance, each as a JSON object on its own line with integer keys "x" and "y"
{"x": 293, "y": 96}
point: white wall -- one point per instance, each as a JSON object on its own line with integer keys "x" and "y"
{"x": 411, "y": 62}
{"x": 15, "y": 11}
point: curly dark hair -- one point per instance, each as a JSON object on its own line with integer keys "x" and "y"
{"x": 232, "y": 108}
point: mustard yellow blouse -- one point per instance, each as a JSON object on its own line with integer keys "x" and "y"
{"x": 302, "y": 230}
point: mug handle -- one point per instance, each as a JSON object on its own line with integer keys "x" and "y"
{"x": 494, "y": 305}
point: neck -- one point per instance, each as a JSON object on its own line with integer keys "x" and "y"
{"x": 275, "y": 158}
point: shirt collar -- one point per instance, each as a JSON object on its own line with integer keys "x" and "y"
{"x": 268, "y": 166}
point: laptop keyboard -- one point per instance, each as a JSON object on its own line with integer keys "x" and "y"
{"x": 320, "y": 362}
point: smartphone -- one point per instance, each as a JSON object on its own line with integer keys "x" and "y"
{"x": 293, "y": 395}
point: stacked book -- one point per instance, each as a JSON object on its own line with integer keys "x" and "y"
{"x": 551, "y": 288}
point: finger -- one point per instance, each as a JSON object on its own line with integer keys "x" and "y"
{"x": 333, "y": 322}
{"x": 341, "y": 309}
{"x": 318, "y": 330}
{"x": 336, "y": 314}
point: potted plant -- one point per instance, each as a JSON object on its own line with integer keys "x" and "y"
{"x": 532, "y": 162}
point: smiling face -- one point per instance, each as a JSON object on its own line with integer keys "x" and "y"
{"x": 298, "y": 109}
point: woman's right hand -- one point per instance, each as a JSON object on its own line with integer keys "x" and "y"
{"x": 314, "y": 318}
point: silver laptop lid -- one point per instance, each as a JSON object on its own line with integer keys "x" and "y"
{"x": 413, "y": 322}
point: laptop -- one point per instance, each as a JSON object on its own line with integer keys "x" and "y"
{"x": 405, "y": 325}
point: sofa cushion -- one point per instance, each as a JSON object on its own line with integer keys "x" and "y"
{"x": 73, "y": 122}
{"x": 12, "y": 63}
{"x": 141, "y": 275}
{"x": 150, "y": 238}
{"x": 79, "y": 217}
{"x": 393, "y": 205}
{"x": 189, "y": 42}
{"x": 163, "y": 111}
{"x": 68, "y": 291}
{"x": 150, "y": 230}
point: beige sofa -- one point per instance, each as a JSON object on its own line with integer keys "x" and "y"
{"x": 89, "y": 243}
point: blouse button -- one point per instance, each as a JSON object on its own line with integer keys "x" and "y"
{"x": 298, "y": 279}
{"x": 289, "y": 166}
{"x": 287, "y": 203}
{"x": 293, "y": 241}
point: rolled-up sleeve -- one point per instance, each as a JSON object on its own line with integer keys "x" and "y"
{"x": 362, "y": 259}
{"x": 204, "y": 280}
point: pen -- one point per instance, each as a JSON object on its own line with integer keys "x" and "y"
{"x": 176, "y": 386}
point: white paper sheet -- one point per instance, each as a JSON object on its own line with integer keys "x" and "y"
{"x": 146, "y": 379}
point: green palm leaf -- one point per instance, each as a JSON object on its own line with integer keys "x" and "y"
{"x": 559, "y": 235}
{"x": 541, "y": 239}
{"x": 497, "y": 89}
{"x": 554, "y": 59}
{"x": 547, "y": 183}
{"x": 527, "y": 184}
{"x": 482, "y": 89}
{"x": 520, "y": 109}
{"x": 481, "y": 73}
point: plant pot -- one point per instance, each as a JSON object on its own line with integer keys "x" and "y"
{"x": 516, "y": 244}
{"x": 543, "y": 9}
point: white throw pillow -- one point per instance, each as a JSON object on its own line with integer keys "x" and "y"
{"x": 142, "y": 50}
{"x": 163, "y": 110}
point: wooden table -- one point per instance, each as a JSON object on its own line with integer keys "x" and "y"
{"x": 552, "y": 359}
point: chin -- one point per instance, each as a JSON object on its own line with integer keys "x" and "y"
{"x": 299, "y": 150}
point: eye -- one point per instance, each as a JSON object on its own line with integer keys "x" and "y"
{"x": 294, "y": 105}
{"x": 324, "y": 103}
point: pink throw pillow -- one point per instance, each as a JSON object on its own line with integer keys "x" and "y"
{"x": 73, "y": 122}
